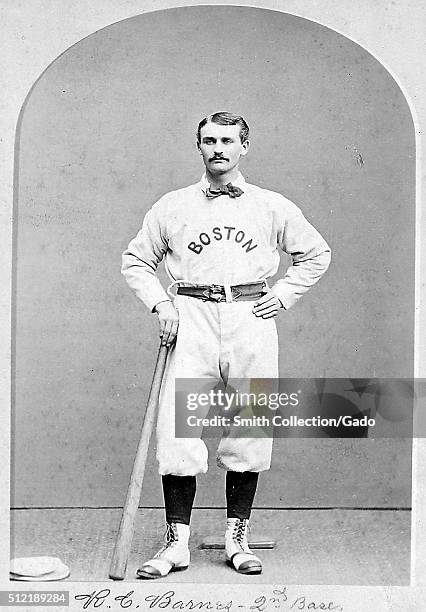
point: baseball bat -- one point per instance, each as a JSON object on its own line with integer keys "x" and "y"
{"x": 125, "y": 533}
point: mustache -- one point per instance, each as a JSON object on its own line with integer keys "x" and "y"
{"x": 218, "y": 157}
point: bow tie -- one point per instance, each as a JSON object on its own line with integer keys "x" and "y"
{"x": 229, "y": 189}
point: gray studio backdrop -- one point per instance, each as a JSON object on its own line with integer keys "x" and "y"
{"x": 107, "y": 129}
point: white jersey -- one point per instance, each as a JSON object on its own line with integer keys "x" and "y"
{"x": 225, "y": 241}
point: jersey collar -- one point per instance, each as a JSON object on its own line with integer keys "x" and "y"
{"x": 239, "y": 182}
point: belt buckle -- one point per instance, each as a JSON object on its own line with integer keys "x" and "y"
{"x": 215, "y": 293}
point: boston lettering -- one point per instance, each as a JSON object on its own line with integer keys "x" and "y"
{"x": 222, "y": 233}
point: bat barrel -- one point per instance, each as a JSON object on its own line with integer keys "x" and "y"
{"x": 125, "y": 532}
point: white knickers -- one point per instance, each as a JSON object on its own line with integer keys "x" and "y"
{"x": 215, "y": 340}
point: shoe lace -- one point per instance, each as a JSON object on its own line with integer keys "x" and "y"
{"x": 170, "y": 537}
{"x": 241, "y": 529}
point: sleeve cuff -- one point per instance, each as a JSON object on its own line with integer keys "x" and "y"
{"x": 151, "y": 296}
{"x": 285, "y": 295}
{"x": 159, "y": 302}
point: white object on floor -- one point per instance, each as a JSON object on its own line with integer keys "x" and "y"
{"x": 38, "y": 569}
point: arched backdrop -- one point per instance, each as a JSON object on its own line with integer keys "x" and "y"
{"x": 107, "y": 129}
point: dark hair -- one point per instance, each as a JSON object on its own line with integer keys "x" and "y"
{"x": 225, "y": 119}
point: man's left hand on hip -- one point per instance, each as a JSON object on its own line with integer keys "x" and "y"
{"x": 267, "y": 306}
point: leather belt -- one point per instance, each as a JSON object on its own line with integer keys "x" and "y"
{"x": 216, "y": 293}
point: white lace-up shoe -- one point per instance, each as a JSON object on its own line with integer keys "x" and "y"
{"x": 238, "y": 553}
{"x": 174, "y": 556}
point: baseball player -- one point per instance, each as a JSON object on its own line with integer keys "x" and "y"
{"x": 220, "y": 238}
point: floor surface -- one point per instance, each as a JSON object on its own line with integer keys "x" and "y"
{"x": 337, "y": 546}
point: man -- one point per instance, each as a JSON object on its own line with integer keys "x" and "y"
{"x": 220, "y": 239}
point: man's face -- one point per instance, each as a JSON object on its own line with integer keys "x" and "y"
{"x": 221, "y": 147}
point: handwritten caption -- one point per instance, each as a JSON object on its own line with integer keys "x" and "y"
{"x": 279, "y": 599}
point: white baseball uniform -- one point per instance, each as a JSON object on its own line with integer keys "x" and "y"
{"x": 223, "y": 241}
